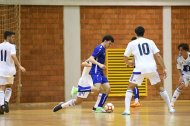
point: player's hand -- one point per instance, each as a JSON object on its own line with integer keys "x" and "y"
{"x": 165, "y": 73}
{"x": 102, "y": 66}
{"x": 131, "y": 64}
{"x": 22, "y": 69}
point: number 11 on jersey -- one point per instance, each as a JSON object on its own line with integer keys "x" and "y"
{"x": 3, "y": 55}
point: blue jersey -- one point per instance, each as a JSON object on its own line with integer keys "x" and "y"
{"x": 99, "y": 55}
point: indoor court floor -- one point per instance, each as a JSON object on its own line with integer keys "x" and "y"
{"x": 152, "y": 113}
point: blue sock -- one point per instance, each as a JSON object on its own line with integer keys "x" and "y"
{"x": 102, "y": 100}
{"x": 136, "y": 92}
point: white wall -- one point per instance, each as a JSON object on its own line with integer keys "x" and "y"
{"x": 72, "y": 48}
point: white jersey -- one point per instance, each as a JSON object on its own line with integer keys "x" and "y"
{"x": 184, "y": 64}
{"x": 7, "y": 66}
{"x": 143, "y": 51}
{"x": 85, "y": 80}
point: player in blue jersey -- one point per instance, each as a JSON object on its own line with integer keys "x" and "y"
{"x": 100, "y": 81}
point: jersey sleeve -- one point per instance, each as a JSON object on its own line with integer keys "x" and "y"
{"x": 178, "y": 63}
{"x": 155, "y": 48}
{"x": 13, "y": 50}
{"x": 128, "y": 50}
{"x": 97, "y": 51}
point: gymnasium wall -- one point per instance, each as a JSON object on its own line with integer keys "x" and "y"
{"x": 42, "y": 53}
{"x": 43, "y": 41}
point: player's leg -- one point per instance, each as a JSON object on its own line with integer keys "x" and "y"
{"x": 136, "y": 78}
{"x": 8, "y": 93}
{"x": 128, "y": 97}
{"x": 155, "y": 80}
{"x": 136, "y": 97}
{"x": 80, "y": 97}
{"x": 102, "y": 97}
{"x": 98, "y": 107}
{"x": 177, "y": 93}
{"x": 3, "y": 82}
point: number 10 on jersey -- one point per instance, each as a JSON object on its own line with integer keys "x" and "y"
{"x": 144, "y": 49}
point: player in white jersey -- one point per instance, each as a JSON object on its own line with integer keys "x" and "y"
{"x": 144, "y": 50}
{"x": 8, "y": 60}
{"x": 183, "y": 66}
{"x": 85, "y": 87}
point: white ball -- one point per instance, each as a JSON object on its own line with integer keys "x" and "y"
{"x": 109, "y": 107}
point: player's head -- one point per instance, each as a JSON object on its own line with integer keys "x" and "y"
{"x": 9, "y": 36}
{"x": 183, "y": 48}
{"x": 139, "y": 31}
{"x": 108, "y": 40}
{"x": 133, "y": 38}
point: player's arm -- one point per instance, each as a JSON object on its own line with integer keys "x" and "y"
{"x": 127, "y": 54}
{"x": 129, "y": 63}
{"x": 179, "y": 71}
{"x": 86, "y": 63}
{"x": 17, "y": 63}
{"x": 180, "y": 76}
{"x": 161, "y": 62}
{"x": 92, "y": 60}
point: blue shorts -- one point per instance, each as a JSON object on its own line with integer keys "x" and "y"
{"x": 99, "y": 78}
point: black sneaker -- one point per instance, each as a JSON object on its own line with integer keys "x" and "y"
{"x": 57, "y": 108}
{"x": 93, "y": 109}
{"x": 2, "y": 110}
{"x": 6, "y": 107}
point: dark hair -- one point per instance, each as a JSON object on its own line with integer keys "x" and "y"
{"x": 184, "y": 46}
{"x": 108, "y": 38}
{"x": 133, "y": 38}
{"x": 8, "y": 34}
{"x": 139, "y": 31}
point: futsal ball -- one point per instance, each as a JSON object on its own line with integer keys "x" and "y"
{"x": 109, "y": 107}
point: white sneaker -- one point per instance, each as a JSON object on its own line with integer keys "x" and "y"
{"x": 171, "y": 110}
{"x": 126, "y": 113}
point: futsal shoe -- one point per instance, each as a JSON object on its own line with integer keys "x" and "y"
{"x": 57, "y": 108}
{"x": 74, "y": 91}
{"x": 6, "y": 107}
{"x": 137, "y": 104}
{"x": 126, "y": 113}
{"x": 2, "y": 110}
{"x": 100, "y": 110}
{"x": 171, "y": 110}
{"x": 93, "y": 109}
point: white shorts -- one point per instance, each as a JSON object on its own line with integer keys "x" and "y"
{"x": 186, "y": 79}
{"x": 6, "y": 80}
{"x": 137, "y": 78}
{"x": 83, "y": 94}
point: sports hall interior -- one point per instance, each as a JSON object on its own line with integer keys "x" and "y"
{"x": 55, "y": 36}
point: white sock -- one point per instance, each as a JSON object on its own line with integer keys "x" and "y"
{"x": 2, "y": 98}
{"x": 128, "y": 97}
{"x": 8, "y": 92}
{"x": 175, "y": 95}
{"x": 69, "y": 103}
{"x": 136, "y": 100}
{"x": 166, "y": 98}
{"x": 98, "y": 100}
